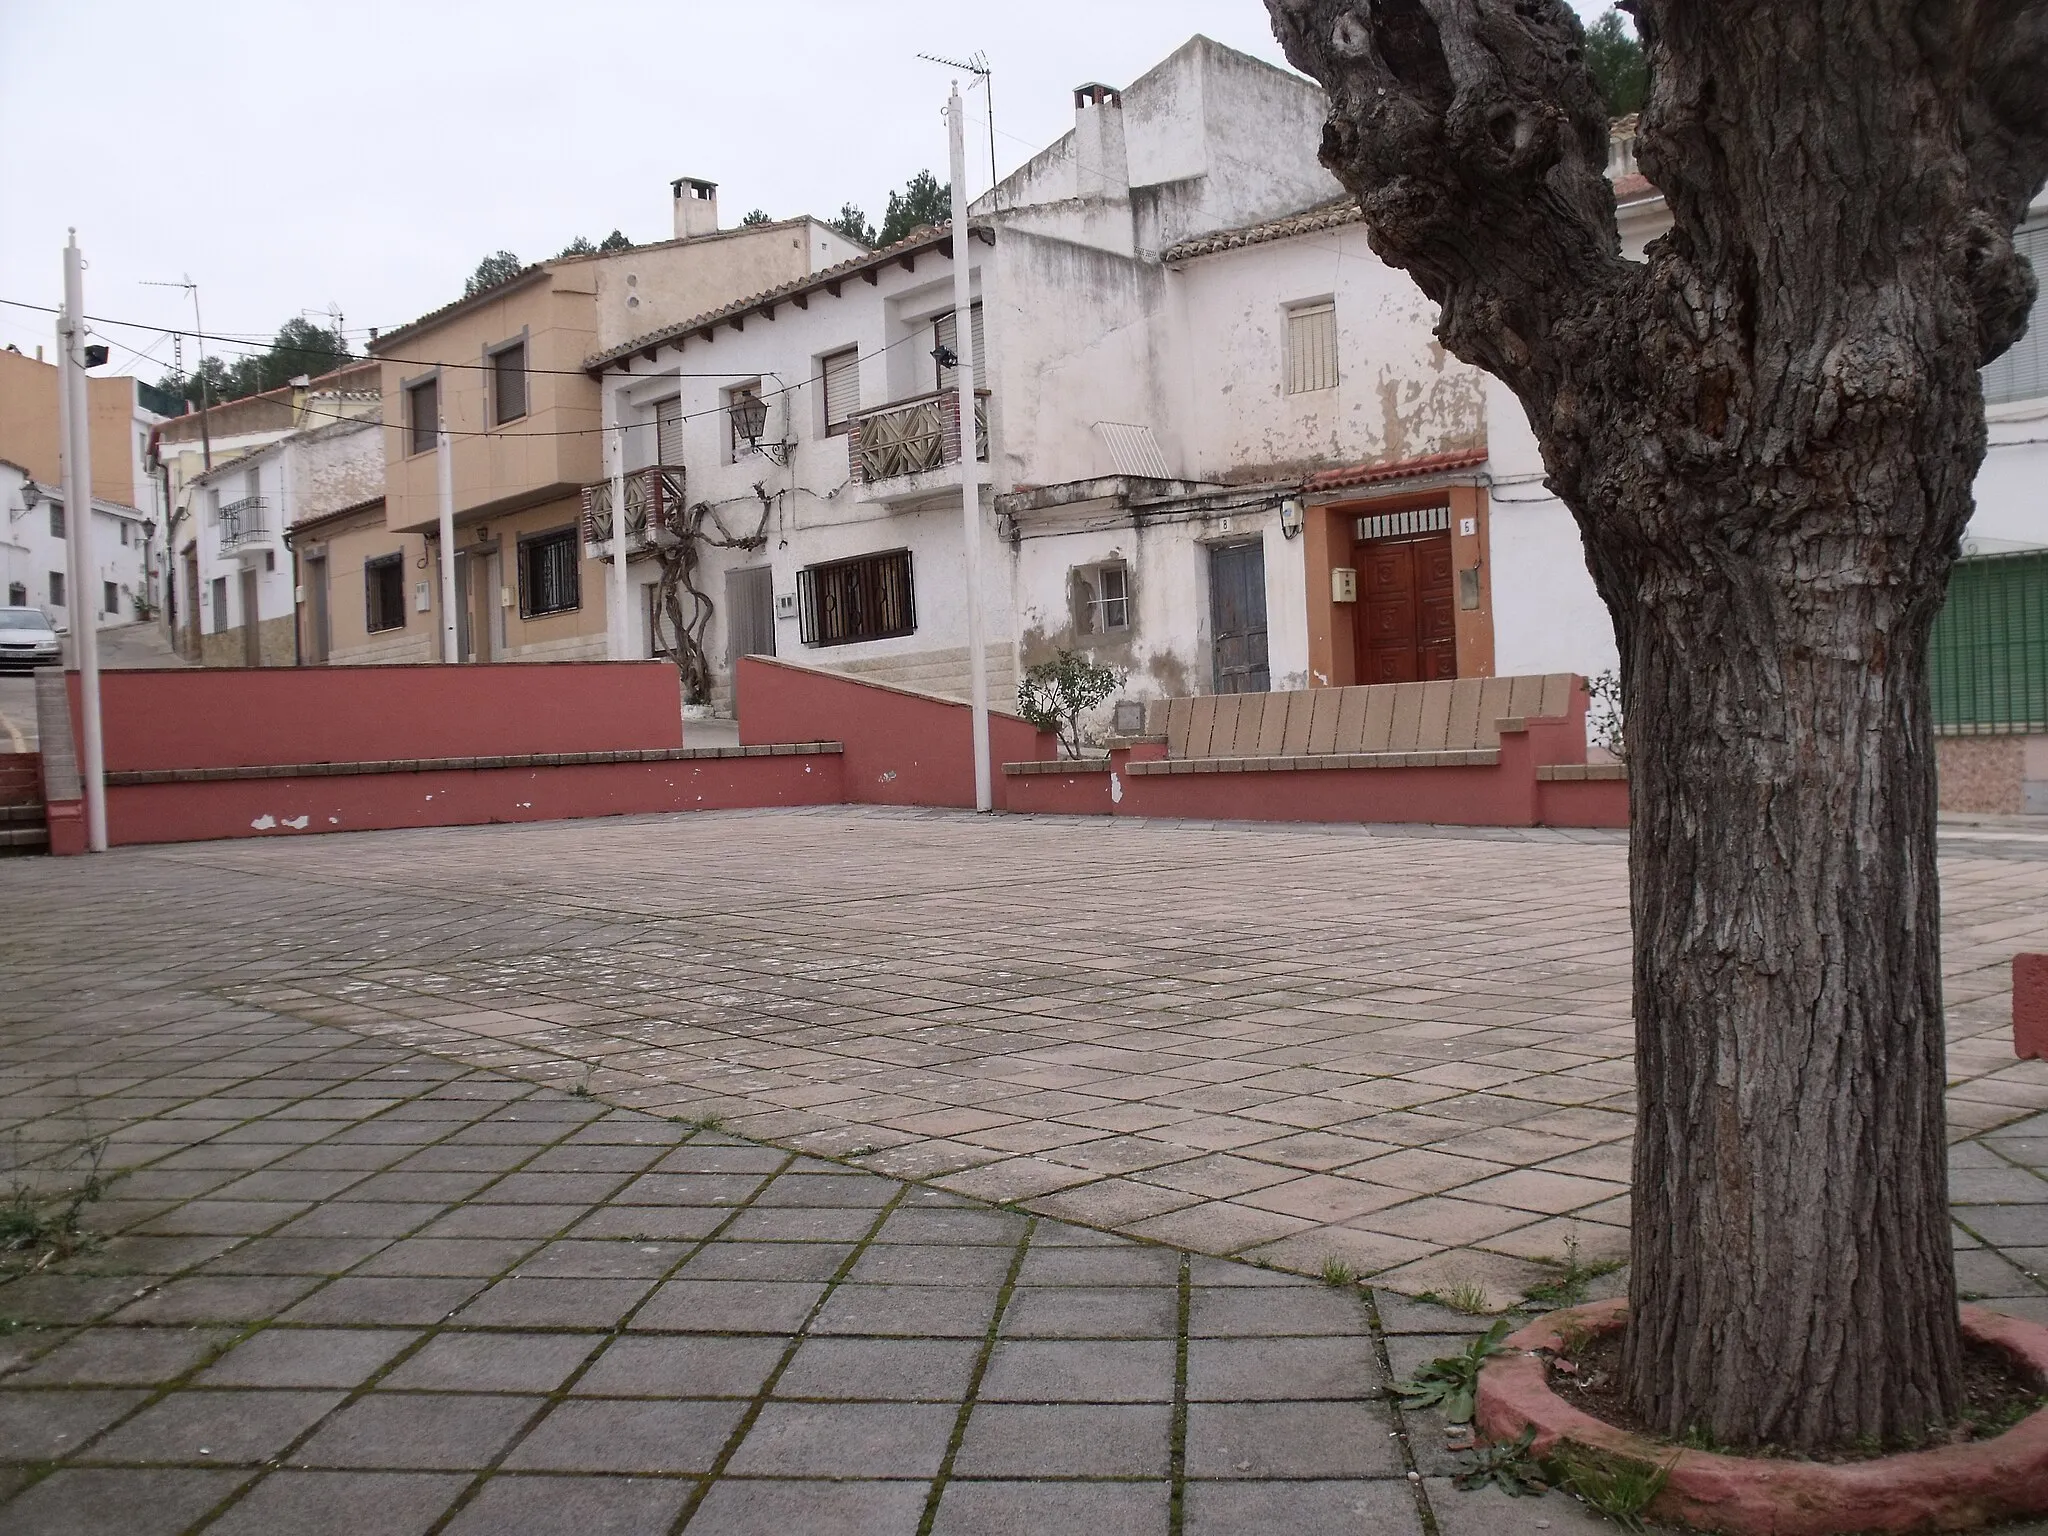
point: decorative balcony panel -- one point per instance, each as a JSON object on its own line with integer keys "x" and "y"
{"x": 243, "y": 523}
{"x": 654, "y": 504}
{"x": 913, "y": 436}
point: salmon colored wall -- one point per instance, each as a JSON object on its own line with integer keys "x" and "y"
{"x": 1327, "y": 544}
{"x": 233, "y": 717}
{"x": 1505, "y": 794}
{"x": 902, "y": 748}
{"x": 223, "y": 808}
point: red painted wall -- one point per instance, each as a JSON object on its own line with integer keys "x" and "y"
{"x": 222, "y": 717}
{"x": 21, "y": 778}
{"x": 902, "y": 748}
{"x": 221, "y": 808}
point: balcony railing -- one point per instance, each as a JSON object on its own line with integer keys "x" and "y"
{"x": 243, "y": 522}
{"x": 912, "y": 436}
{"x": 654, "y": 504}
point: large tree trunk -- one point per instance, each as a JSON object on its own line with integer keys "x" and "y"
{"x": 1767, "y": 434}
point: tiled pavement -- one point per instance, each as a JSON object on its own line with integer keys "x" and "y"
{"x": 349, "y": 1288}
{"x": 1408, "y": 1051}
{"x": 448, "y": 1286}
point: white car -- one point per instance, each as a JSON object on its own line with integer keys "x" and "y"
{"x": 28, "y": 639}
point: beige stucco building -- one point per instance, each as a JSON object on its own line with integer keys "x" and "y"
{"x": 502, "y": 372}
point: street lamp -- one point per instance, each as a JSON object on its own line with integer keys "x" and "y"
{"x": 749, "y": 417}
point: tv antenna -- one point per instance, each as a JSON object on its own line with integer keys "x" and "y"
{"x": 976, "y": 64}
{"x": 199, "y": 337}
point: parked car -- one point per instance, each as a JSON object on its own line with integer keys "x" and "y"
{"x": 28, "y": 639}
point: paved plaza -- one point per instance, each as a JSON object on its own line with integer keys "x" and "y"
{"x": 838, "y": 1171}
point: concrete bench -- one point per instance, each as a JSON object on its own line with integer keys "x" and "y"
{"x": 1448, "y": 724}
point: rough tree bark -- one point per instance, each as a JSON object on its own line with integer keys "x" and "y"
{"x": 1767, "y": 434}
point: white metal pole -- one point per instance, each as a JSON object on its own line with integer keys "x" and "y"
{"x": 444, "y": 472}
{"x": 970, "y": 461}
{"x": 81, "y": 596}
{"x": 620, "y": 629}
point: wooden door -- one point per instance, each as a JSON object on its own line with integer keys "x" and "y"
{"x": 319, "y": 635}
{"x": 1237, "y": 617}
{"x": 749, "y": 618}
{"x": 1409, "y": 628}
{"x": 252, "y": 621}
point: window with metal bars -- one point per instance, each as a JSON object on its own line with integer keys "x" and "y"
{"x": 384, "y": 593}
{"x": 2022, "y": 373}
{"x": 869, "y": 598}
{"x": 56, "y": 521}
{"x": 1988, "y": 659}
{"x": 422, "y": 415}
{"x": 508, "y": 383}
{"x": 841, "y": 373}
{"x": 549, "y": 571}
{"x": 1311, "y": 347}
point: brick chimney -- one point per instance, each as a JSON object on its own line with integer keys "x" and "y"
{"x": 696, "y": 204}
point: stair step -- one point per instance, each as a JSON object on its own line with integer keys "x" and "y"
{"x": 23, "y": 839}
{"x": 16, "y": 814}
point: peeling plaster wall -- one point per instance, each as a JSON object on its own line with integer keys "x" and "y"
{"x": 1081, "y": 341}
{"x": 1399, "y": 394}
{"x": 1166, "y": 652}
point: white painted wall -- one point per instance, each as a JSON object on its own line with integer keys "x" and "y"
{"x": 30, "y": 551}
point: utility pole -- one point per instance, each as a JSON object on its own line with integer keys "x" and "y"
{"x": 444, "y": 474}
{"x": 75, "y": 426}
{"x": 618, "y": 593}
{"x": 970, "y": 459}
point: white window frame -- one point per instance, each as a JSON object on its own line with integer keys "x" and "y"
{"x": 1311, "y": 350}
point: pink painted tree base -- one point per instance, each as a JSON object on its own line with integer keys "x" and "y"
{"x": 1954, "y": 1488}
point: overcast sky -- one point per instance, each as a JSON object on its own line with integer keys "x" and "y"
{"x": 367, "y": 153}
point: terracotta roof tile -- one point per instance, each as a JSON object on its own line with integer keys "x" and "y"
{"x": 1330, "y": 215}
{"x": 1407, "y": 469}
{"x": 922, "y": 238}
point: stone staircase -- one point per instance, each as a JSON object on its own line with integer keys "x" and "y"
{"x": 22, "y": 826}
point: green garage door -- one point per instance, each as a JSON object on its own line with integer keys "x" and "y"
{"x": 1989, "y": 658}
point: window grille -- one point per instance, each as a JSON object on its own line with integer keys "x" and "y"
{"x": 842, "y": 389}
{"x": 56, "y": 521}
{"x": 1400, "y": 525}
{"x": 17, "y": 594}
{"x": 1311, "y": 348}
{"x": 549, "y": 568}
{"x": 508, "y": 384}
{"x": 423, "y": 414}
{"x": 2022, "y": 373}
{"x": 57, "y": 589}
{"x": 668, "y": 431}
{"x": 869, "y": 598}
{"x": 384, "y": 593}
{"x": 1988, "y": 659}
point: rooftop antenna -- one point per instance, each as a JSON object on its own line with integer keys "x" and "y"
{"x": 976, "y": 64}
{"x": 198, "y": 335}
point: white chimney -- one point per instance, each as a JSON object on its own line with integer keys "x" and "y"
{"x": 1102, "y": 166}
{"x": 696, "y": 206}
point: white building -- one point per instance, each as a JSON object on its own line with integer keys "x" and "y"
{"x": 186, "y": 448}
{"x": 1225, "y": 451}
{"x": 239, "y": 565}
{"x": 1175, "y": 328}
{"x": 34, "y": 558}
